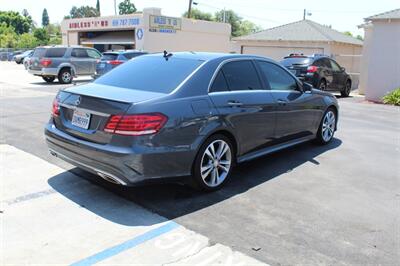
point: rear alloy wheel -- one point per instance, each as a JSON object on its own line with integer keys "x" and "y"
{"x": 213, "y": 164}
{"x": 327, "y": 127}
{"x": 65, "y": 76}
{"x": 347, "y": 89}
{"x": 49, "y": 79}
{"x": 322, "y": 85}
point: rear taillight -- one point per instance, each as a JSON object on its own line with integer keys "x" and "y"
{"x": 312, "y": 69}
{"x": 45, "y": 62}
{"x": 115, "y": 62}
{"x": 135, "y": 125}
{"x": 55, "y": 110}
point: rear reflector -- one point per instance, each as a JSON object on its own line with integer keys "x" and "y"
{"x": 55, "y": 110}
{"x": 45, "y": 62}
{"x": 115, "y": 62}
{"x": 135, "y": 125}
{"x": 312, "y": 69}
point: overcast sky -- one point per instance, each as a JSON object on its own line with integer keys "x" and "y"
{"x": 343, "y": 15}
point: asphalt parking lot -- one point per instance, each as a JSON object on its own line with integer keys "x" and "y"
{"x": 334, "y": 205}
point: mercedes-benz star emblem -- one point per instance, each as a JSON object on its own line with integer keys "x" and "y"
{"x": 78, "y": 100}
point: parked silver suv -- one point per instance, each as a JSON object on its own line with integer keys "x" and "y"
{"x": 63, "y": 62}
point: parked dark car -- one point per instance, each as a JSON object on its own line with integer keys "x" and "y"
{"x": 20, "y": 57}
{"x": 63, "y": 62}
{"x": 186, "y": 116}
{"x": 110, "y": 60}
{"x": 321, "y": 71}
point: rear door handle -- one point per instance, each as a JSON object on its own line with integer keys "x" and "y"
{"x": 281, "y": 102}
{"x": 234, "y": 103}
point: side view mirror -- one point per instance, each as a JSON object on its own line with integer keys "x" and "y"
{"x": 307, "y": 86}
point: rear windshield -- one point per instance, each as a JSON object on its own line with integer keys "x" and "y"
{"x": 109, "y": 56}
{"x": 39, "y": 52}
{"x": 151, "y": 73}
{"x": 295, "y": 61}
{"x": 55, "y": 52}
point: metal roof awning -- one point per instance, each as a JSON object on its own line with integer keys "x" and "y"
{"x": 124, "y": 37}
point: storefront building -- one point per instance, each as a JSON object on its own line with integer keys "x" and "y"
{"x": 148, "y": 31}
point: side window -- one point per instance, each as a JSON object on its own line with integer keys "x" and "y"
{"x": 55, "y": 52}
{"x": 278, "y": 78}
{"x": 241, "y": 75}
{"x": 326, "y": 63}
{"x": 317, "y": 63}
{"x": 335, "y": 66}
{"x": 93, "y": 54}
{"x": 219, "y": 83}
{"x": 80, "y": 53}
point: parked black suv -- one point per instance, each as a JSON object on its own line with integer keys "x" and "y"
{"x": 321, "y": 71}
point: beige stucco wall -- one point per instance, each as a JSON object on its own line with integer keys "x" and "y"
{"x": 382, "y": 53}
{"x": 194, "y": 35}
{"x": 278, "y": 49}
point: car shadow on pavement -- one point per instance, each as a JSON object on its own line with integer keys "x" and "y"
{"x": 101, "y": 202}
{"x": 175, "y": 200}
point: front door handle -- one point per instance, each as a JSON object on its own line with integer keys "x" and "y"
{"x": 234, "y": 103}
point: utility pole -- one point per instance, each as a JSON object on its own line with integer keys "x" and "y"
{"x": 224, "y": 16}
{"x": 304, "y": 14}
{"x": 115, "y": 7}
{"x": 190, "y": 8}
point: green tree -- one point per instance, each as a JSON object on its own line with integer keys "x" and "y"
{"x": 8, "y": 37}
{"x": 45, "y": 18}
{"x": 26, "y": 40}
{"x": 21, "y": 24}
{"x": 238, "y": 25}
{"x": 98, "y": 7}
{"x": 247, "y": 27}
{"x": 126, "y": 7}
{"x": 83, "y": 12}
{"x": 348, "y": 33}
{"x": 200, "y": 15}
{"x": 41, "y": 35}
{"x": 54, "y": 32}
{"x": 360, "y": 37}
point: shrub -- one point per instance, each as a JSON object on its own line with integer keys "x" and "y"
{"x": 392, "y": 97}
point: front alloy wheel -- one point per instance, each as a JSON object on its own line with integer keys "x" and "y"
{"x": 214, "y": 163}
{"x": 327, "y": 127}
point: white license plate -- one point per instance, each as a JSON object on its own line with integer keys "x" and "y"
{"x": 102, "y": 65}
{"x": 81, "y": 119}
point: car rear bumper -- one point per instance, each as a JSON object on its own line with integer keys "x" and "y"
{"x": 44, "y": 72}
{"x": 121, "y": 165}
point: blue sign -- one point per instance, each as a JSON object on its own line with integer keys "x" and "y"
{"x": 139, "y": 34}
{"x": 121, "y": 22}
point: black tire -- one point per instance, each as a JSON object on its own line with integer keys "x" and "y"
{"x": 49, "y": 79}
{"x": 347, "y": 89}
{"x": 322, "y": 85}
{"x": 65, "y": 76}
{"x": 320, "y": 138}
{"x": 203, "y": 184}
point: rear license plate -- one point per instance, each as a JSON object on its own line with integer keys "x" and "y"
{"x": 102, "y": 65}
{"x": 81, "y": 119}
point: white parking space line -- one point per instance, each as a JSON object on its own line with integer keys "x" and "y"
{"x": 54, "y": 217}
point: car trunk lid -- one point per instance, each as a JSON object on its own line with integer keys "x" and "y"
{"x": 85, "y": 110}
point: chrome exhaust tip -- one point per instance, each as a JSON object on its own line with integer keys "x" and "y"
{"x": 109, "y": 178}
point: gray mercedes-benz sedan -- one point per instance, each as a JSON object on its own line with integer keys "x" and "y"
{"x": 186, "y": 115}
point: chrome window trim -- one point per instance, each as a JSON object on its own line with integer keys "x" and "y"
{"x": 221, "y": 65}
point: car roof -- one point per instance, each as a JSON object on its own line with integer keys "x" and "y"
{"x": 206, "y": 56}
